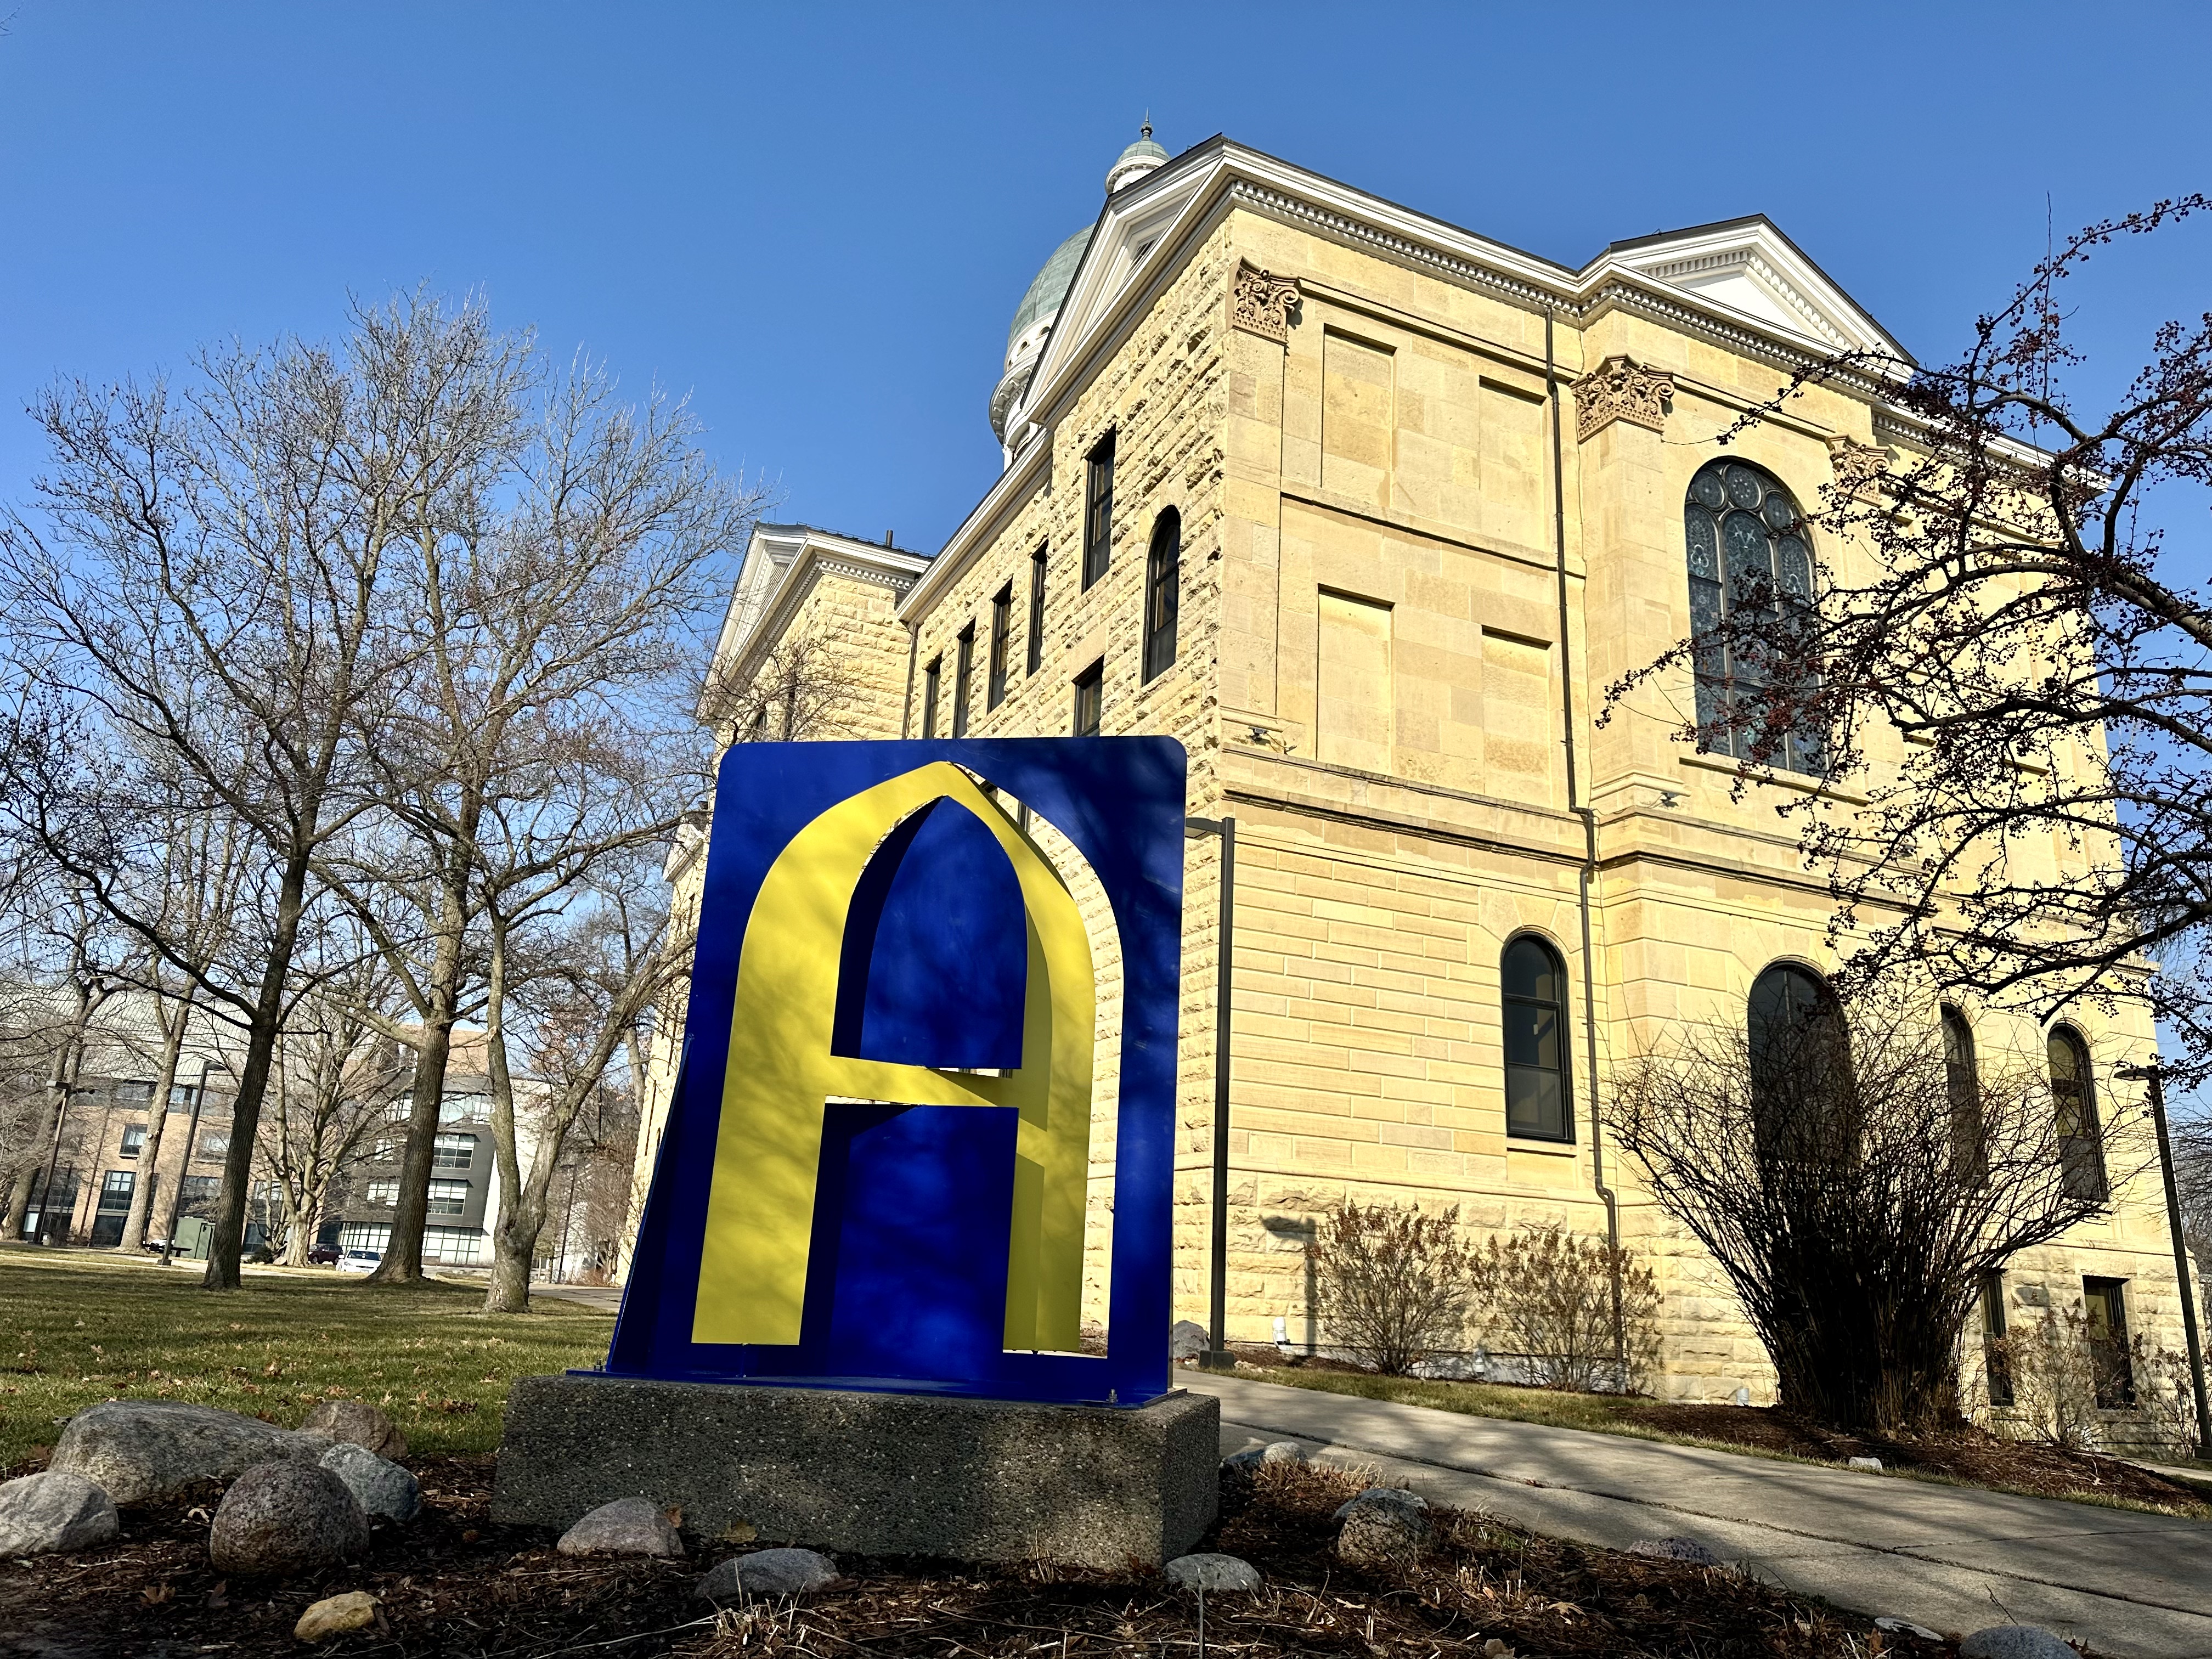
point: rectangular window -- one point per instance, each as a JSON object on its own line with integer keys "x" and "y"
{"x": 365, "y": 1236}
{"x": 183, "y": 1096}
{"x": 1163, "y": 583}
{"x": 213, "y": 1145}
{"x": 134, "y": 1093}
{"x": 134, "y": 1140}
{"x": 383, "y": 1192}
{"x": 1035, "y": 647}
{"x": 1997, "y": 1356}
{"x": 1089, "y": 699}
{"x": 399, "y": 1111}
{"x": 454, "y": 1152}
{"x": 2104, "y": 1303}
{"x": 116, "y": 1187}
{"x": 459, "y": 1247}
{"x": 1002, "y": 625}
{"x": 1098, "y": 510}
{"x": 933, "y": 682}
{"x": 449, "y": 1197}
{"x": 963, "y": 665}
{"x": 464, "y": 1109}
{"x": 196, "y": 1193}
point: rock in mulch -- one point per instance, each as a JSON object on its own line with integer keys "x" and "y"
{"x": 1385, "y": 1528}
{"x": 628, "y": 1526}
{"x": 1872, "y": 1465}
{"x": 1212, "y": 1573}
{"x": 334, "y": 1615}
{"x": 286, "y": 1517}
{"x": 384, "y": 1490}
{"x": 1187, "y": 1340}
{"x": 2015, "y": 1642}
{"x": 360, "y": 1424}
{"x": 1676, "y": 1549}
{"x": 1238, "y": 1471}
{"x": 41, "y": 1513}
{"x": 141, "y": 1448}
{"x": 770, "y": 1573}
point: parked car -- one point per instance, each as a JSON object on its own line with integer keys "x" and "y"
{"x": 359, "y": 1262}
{"x": 323, "y": 1255}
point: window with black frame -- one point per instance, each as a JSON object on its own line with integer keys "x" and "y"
{"x": 933, "y": 683}
{"x": 1533, "y": 987}
{"x": 1034, "y": 646}
{"x": 1751, "y": 573}
{"x": 2074, "y": 1097}
{"x": 1002, "y": 628}
{"x": 1098, "y": 510}
{"x": 1970, "y": 1154}
{"x": 965, "y": 666}
{"x": 1163, "y": 583}
{"x": 2105, "y": 1315}
{"x": 1090, "y": 699}
{"x": 1801, "y": 1067}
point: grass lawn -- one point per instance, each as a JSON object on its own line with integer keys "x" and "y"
{"x": 1972, "y": 1458}
{"x": 76, "y": 1329}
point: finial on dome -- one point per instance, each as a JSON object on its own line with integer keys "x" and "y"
{"x": 1135, "y": 162}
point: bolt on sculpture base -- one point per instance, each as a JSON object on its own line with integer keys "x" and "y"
{"x": 869, "y": 1474}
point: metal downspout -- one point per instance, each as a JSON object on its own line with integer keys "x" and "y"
{"x": 1587, "y": 871}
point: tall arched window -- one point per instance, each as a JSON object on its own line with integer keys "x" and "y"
{"x": 1962, "y": 1081}
{"x": 1162, "y": 580}
{"x": 1534, "y": 982}
{"x": 2074, "y": 1097}
{"x": 1801, "y": 1064}
{"x": 1751, "y": 565}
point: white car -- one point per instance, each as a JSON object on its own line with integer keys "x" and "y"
{"x": 359, "y": 1262}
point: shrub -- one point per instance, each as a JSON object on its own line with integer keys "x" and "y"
{"x": 1548, "y": 1296}
{"x": 1392, "y": 1286}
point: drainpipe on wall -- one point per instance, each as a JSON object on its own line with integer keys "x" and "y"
{"x": 1588, "y": 871}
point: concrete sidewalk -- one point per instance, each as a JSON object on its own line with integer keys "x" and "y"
{"x": 1953, "y": 1558}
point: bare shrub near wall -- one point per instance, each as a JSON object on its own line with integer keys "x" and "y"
{"x": 1547, "y": 1298}
{"x": 2069, "y": 1389}
{"x": 1392, "y": 1286}
{"x": 1855, "y": 1190}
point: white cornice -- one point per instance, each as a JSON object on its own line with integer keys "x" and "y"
{"x": 782, "y": 562}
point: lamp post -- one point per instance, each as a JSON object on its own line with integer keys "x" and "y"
{"x": 2153, "y": 1075}
{"x": 1218, "y": 1357}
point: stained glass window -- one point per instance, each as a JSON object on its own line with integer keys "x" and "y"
{"x": 1749, "y": 562}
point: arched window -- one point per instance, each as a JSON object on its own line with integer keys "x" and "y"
{"x": 1751, "y": 565}
{"x": 1801, "y": 1064}
{"x": 1534, "y": 982}
{"x": 2074, "y": 1096}
{"x": 1962, "y": 1083}
{"x": 1162, "y": 582}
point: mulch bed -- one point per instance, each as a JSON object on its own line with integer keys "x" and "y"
{"x": 451, "y": 1583}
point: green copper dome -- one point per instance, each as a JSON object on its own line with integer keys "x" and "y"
{"x": 1050, "y": 287}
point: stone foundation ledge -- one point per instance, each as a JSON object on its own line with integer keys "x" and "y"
{"x": 869, "y": 1474}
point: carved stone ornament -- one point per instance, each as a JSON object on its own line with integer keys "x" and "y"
{"x": 1859, "y": 467}
{"x": 1622, "y": 389}
{"x": 1261, "y": 303}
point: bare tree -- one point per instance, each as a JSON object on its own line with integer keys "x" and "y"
{"x": 80, "y": 973}
{"x": 2011, "y": 656}
{"x": 1855, "y": 1185}
{"x": 209, "y": 575}
{"x": 799, "y": 690}
{"x": 566, "y": 619}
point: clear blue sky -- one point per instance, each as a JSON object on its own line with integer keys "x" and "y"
{"x": 817, "y": 220}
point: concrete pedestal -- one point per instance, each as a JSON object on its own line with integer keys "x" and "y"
{"x": 869, "y": 1474}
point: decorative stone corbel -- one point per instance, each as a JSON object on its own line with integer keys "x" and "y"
{"x": 1860, "y": 467}
{"x": 1622, "y": 389}
{"x": 1261, "y": 303}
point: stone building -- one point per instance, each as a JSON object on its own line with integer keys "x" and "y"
{"x": 1368, "y": 510}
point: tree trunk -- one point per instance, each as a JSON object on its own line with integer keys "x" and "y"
{"x": 229, "y": 1240}
{"x": 521, "y": 1213}
{"x": 50, "y": 1125}
{"x": 402, "y": 1250}
{"x": 149, "y": 1165}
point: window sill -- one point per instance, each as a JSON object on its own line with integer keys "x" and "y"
{"x": 1754, "y": 773}
{"x": 1540, "y": 1147}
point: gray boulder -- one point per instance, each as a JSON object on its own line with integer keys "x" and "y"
{"x": 383, "y": 1489}
{"x": 1676, "y": 1549}
{"x": 359, "y": 1423}
{"x": 2016, "y": 1642}
{"x": 1240, "y": 1469}
{"x": 770, "y": 1573}
{"x": 55, "y": 1511}
{"x": 286, "y": 1517}
{"x": 1385, "y": 1528}
{"x": 1213, "y": 1573}
{"x": 628, "y": 1526}
{"x": 1187, "y": 1340}
{"x": 141, "y": 1448}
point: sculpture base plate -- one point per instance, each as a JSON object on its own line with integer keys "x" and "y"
{"x": 866, "y": 1473}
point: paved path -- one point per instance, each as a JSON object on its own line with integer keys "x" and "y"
{"x": 1951, "y": 1557}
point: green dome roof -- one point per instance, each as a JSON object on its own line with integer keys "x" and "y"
{"x": 1050, "y": 287}
{"x": 1143, "y": 147}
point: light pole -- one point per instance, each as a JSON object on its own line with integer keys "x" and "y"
{"x": 1218, "y": 1357}
{"x": 2153, "y": 1075}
